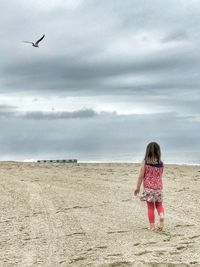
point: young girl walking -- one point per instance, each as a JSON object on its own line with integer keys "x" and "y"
{"x": 151, "y": 175}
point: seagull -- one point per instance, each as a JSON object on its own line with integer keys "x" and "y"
{"x": 36, "y": 43}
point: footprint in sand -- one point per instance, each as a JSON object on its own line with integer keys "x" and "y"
{"x": 78, "y": 259}
{"x": 118, "y": 232}
{"x": 102, "y": 247}
{"x": 118, "y": 264}
{"x": 136, "y": 244}
{"x": 184, "y": 225}
{"x": 149, "y": 243}
{"x": 126, "y": 200}
{"x": 194, "y": 236}
{"x": 181, "y": 247}
{"x": 143, "y": 252}
{"x": 142, "y": 264}
{"x": 76, "y": 233}
{"x": 114, "y": 255}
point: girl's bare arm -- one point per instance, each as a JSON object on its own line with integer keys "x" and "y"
{"x": 140, "y": 179}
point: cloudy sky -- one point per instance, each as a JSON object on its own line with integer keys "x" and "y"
{"x": 109, "y": 77}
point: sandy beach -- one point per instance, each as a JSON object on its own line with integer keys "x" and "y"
{"x": 86, "y": 215}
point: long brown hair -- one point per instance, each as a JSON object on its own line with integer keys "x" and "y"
{"x": 153, "y": 153}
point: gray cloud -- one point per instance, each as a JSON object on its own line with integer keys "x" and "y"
{"x": 72, "y": 62}
{"x": 7, "y": 108}
{"x": 97, "y": 138}
{"x": 8, "y": 112}
{"x": 85, "y": 113}
{"x": 72, "y": 77}
{"x": 177, "y": 36}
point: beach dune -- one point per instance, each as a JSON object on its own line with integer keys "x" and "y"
{"x": 86, "y": 215}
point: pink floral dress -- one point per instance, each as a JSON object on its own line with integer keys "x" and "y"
{"x": 152, "y": 183}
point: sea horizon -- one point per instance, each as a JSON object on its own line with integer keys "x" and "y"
{"x": 179, "y": 158}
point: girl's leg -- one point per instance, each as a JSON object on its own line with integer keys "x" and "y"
{"x": 159, "y": 207}
{"x": 160, "y": 210}
{"x": 150, "y": 206}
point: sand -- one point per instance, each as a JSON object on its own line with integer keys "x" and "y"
{"x": 86, "y": 215}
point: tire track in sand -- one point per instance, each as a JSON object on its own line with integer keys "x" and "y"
{"x": 68, "y": 241}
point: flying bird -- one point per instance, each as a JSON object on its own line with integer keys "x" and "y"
{"x": 36, "y": 43}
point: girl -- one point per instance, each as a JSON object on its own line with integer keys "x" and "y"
{"x": 151, "y": 175}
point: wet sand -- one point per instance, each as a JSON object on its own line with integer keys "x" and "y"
{"x": 86, "y": 215}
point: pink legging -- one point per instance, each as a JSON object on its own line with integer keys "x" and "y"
{"x": 151, "y": 207}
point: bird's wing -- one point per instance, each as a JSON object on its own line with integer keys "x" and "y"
{"x": 27, "y": 42}
{"x": 40, "y": 39}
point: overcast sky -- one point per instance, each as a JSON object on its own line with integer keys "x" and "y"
{"x": 109, "y": 77}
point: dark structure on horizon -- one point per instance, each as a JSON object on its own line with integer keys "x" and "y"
{"x": 58, "y": 160}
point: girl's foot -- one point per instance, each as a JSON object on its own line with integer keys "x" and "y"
{"x": 161, "y": 226}
{"x": 152, "y": 227}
